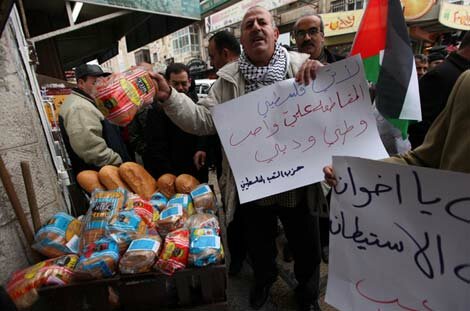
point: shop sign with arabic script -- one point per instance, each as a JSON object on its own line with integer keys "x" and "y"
{"x": 341, "y": 23}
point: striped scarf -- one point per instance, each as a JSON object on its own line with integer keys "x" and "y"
{"x": 257, "y": 77}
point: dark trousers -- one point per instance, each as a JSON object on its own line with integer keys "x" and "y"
{"x": 301, "y": 230}
{"x": 325, "y": 226}
{"x": 235, "y": 238}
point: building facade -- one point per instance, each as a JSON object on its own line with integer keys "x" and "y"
{"x": 341, "y": 19}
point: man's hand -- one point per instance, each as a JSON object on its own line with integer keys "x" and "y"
{"x": 199, "y": 159}
{"x": 330, "y": 177}
{"x": 308, "y": 71}
{"x": 164, "y": 90}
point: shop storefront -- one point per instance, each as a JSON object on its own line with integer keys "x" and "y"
{"x": 45, "y": 37}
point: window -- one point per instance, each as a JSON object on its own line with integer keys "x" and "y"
{"x": 186, "y": 40}
{"x": 142, "y": 56}
{"x": 346, "y": 5}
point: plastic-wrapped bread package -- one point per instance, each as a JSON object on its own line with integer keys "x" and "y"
{"x": 174, "y": 255}
{"x": 183, "y": 200}
{"x": 144, "y": 209}
{"x": 205, "y": 247}
{"x": 138, "y": 179}
{"x": 117, "y": 99}
{"x": 104, "y": 205}
{"x": 125, "y": 227}
{"x": 143, "y": 83}
{"x": 204, "y": 199}
{"x": 59, "y": 236}
{"x": 141, "y": 255}
{"x": 120, "y": 95}
{"x": 171, "y": 218}
{"x": 99, "y": 259}
{"x": 203, "y": 221}
{"x": 159, "y": 201}
{"x": 185, "y": 183}
{"x": 89, "y": 181}
{"x": 109, "y": 177}
{"x": 166, "y": 185}
{"x": 23, "y": 285}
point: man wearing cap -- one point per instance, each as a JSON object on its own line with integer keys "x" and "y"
{"x": 91, "y": 141}
{"x": 437, "y": 54}
{"x": 435, "y": 59}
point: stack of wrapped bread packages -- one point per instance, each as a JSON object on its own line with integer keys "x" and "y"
{"x": 134, "y": 224}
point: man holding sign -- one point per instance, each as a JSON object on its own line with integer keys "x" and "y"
{"x": 441, "y": 285}
{"x": 262, "y": 63}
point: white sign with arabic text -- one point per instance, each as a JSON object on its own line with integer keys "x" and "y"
{"x": 279, "y": 137}
{"x": 398, "y": 238}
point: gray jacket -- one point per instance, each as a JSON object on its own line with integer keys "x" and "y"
{"x": 83, "y": 123}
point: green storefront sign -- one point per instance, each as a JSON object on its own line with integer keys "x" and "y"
{"x": 181, "y": 8}
{"x": 209, "y": 5}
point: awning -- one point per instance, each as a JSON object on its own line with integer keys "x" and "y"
{"x": 100, "y": 24}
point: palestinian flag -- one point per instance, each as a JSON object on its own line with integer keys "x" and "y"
{"x": 384, "y": 45}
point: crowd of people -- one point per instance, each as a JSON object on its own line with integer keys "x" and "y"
{"x": 176, "y": 134}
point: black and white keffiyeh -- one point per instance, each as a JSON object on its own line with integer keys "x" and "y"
{"x": 257, "y": 77}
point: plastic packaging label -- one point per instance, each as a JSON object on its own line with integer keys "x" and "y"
{"x": 183, "y": 200}
{"x": 172, "y": 211}
{"x": 206, "y": 241}
{"x": 58, "y": 224}
{"x": 201, "y": 190}
{"x": 144, "y": 245}
{"x": 74, "y": 243}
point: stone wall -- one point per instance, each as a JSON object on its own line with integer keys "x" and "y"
{"x": 21, "y": 139}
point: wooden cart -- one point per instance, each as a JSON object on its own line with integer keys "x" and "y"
{"x": 190, "y": 289}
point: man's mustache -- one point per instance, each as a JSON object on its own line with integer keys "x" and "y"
{"x": 258, "y": 35}
{"x": 307, "y": 43}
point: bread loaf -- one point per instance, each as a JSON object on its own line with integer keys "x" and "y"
{"x": 109, "y": 177}
{"x": 174, "y": 255}
{"x": 166, "y": 185}
{"x": 24, "y": 284}
{"x": 120, "y": 95}
{"x": 203, "y": 221}
{"x": 141, "y": 255}
{"x": 205, "y": 247}
{"x": 204, "y": 199}
{"x": 99, "y": 259}
{"x": 89, "y": 181}
{"x": 138, "y": 179}
{"x": 171, "y": 218}
{"x": 104, "y": 205}
{"x": 59, "y": 236}
{"x": 185, "y": 183}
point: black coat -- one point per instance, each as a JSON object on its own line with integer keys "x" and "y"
{"x": 168, "y": 148}
{"x": 434, "y": 90}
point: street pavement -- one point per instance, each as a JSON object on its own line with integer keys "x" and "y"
{"x": 281, "y": 296}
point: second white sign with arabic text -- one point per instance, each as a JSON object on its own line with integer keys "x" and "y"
{"x": 398, "y": 238}
{"x": 280, "y": 137}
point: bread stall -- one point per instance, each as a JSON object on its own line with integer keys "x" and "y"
{"x": 143, "y": 243}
